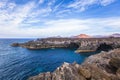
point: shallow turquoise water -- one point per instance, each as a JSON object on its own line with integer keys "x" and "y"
{"x": 17, "y": 63}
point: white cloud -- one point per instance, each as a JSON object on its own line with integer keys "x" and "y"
{"x": 82, "y": 5}
{"x": 14, "y": 16}
{"x": 11, "y": 16}
{"x": 20, "y": 20}
{"x": 41, "y": 1}
{"x": 106, "y": 2}
{"x": 57, "y": 6}
{"x": 65, "y": 27}
{"x": 40, "y": 12}
{"x": 51, "y": 2}
{"x": 3, "y": 3}
{"x": 11, "y": 5}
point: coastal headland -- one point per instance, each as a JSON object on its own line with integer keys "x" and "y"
{"x": 80, "y": 45}
{"x": 102, "y": 66}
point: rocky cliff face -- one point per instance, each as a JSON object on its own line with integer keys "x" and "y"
{"x": 102, "y": 66}
{"x": 81, "y": 45}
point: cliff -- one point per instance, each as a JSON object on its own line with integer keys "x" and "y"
{"x": 81, "y": 45}
{"x": 102, "y": 66}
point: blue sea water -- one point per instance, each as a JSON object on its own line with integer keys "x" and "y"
{"x": 18, "y": 63}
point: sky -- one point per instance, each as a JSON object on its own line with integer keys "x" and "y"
{"x": 47, "y": 18}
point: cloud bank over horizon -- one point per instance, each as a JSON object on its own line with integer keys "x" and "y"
{"x": 45, "y": 18}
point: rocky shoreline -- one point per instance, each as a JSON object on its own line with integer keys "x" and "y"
{"x": 81, "y": 45}
{"x": 102, "y": 66}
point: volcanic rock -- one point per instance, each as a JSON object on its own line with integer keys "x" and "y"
{"x": 95, "y": 67}
{"x": 80, "y": 45}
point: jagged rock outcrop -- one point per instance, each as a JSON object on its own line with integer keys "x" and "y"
{"x": 81, "y": 45}
{"x": 102, "y": 66}
{"x": 15, "y": 44}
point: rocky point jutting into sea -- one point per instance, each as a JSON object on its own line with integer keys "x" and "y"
{"x": 81, "y": 45}
{"x": 102, "y": 66}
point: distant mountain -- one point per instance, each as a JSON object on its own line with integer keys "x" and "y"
{"x": 107, "y": 36}
{"x": 115, "y": 35}
{"x": 97, "y": 36}
{"x": 82, "y": 36}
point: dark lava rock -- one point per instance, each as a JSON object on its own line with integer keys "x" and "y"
{"x": 81, "y": 45}
{"x": 15, "y": 44}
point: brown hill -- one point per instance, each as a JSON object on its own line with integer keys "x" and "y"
{"x": 83, "y": 36}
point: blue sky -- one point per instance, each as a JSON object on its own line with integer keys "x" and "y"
{"x": 45, "y": 18}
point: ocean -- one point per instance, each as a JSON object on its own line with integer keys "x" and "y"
{"x": 18, "y": 63}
